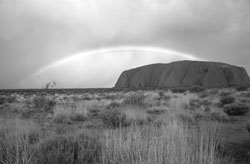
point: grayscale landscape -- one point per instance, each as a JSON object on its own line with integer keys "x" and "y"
{"x": 124, "y": 82}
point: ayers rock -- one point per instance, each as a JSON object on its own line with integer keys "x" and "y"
{"x": 184, "y": 74}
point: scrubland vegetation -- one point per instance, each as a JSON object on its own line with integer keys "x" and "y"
{"x": 195, "y": 126}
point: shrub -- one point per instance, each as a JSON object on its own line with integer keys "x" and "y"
{"x": 211, "y": 116}
{"x": 179, "y": 90}
{"x": 110, "y": 97}
{"x": 93, "y": 112}
{"x": 236, "y": 109}
{"x": 213, "y": 91}
{"x": 62, "y": 118}
{"x": 245, "y": 94}
{"x": 218, "y": 116}
{"x": 11, "y": 99}
{"x": 69, "y": 112}
{"x": 205, "y": 102}
{"x": 2, "y": 100}
{"x": 244, "y": 100}
{"x": 195, "y": 89}
{"x": 186, "y": 118}
{"x": 248, "y": 126}
{"x": 238, "y": 151}
{"x": 227, "y": 100}
{"x": 135, "y": 117}
{"x": 161, "y": 94}
{"x": 204, "y": 94}
{"x": 194, "y": 103}
{"x": 86, "y": 98}
{"x": 89, "y": 148}
{"x": 78, "y": 117}
{"x": 113, "y": 105}
{"x": 77, "y": 149}
{"x": 242, "y": 88}
{"x": 135, "y": 99}
{"x": 56, "y": 150}
{"x": 43, "y": 103}
{"x": 113, "y": 118}
{"x": 225, "y": 93}
{"x": 156, "y": 110}
{"x": 79, "y": 114}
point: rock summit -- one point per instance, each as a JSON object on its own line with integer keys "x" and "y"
{"x": 184, "y": 74}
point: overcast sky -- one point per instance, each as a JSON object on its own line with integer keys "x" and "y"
{"x": 45, "y": 40}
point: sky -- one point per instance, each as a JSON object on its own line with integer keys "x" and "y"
{"x": 88, "y": 43}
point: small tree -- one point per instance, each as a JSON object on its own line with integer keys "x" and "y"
{"x": 50, "y": 85}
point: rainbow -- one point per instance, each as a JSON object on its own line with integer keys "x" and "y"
{"x": 124, "y": 57}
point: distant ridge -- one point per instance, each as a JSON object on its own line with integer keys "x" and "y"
{"x": 184, "y": 74}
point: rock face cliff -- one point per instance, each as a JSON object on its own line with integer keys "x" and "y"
{"x": 184, "y": 74}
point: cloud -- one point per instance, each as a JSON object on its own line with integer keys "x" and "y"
{"x": 34, "y": 33}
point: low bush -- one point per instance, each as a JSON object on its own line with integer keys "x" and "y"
{"x": 43, "y": 103}
{"x": 236, "y": 109}
{"x": 194, "y": 103}
{"x": 245, "y": 94}
{"x": 78, "y": 117}
{"x": 196, "y": 89}
{"x": 225, "y": 93}
{"x": 186, "y": 118}
{"x": 113, "y": 105}
{"x": 227, "y": 100}
{"x": 135, "y": 99}
{"x": 242, "y": 88}
{"x": 238, "y": 151}
{"x": 211, "y": 116}
{"x": 203, "y": 94}
{"x": 62, "y": 118}
{"x": 197, "y": 103}
{"x": 69, "y": 112}
{"x": 56, "y": 150}
{"x": 156, "y": 110}
{"x": 248, "y": 126}
{"x": 93, "y": 112}
{"x": 135, "y": 117}
{"x": 218, "y": 116}
{"x": 113, "y": 118}
{"x": 2, "y": 100}
{"x": 7, "y": 99}
{"x": 244, "y": 100}
{"x": 179, "y": 90}
{"x": 161, "y": 94}
{"x": 205, "y": 102}
{"x": 213, "y": 91}
{"x": 75, "y": 149}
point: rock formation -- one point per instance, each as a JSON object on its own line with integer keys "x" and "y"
{"x": 184, "y": 74}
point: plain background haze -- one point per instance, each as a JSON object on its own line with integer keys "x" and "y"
{"x": 37, "y": 33}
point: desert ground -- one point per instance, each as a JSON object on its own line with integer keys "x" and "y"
{"x": 161, "y": 126}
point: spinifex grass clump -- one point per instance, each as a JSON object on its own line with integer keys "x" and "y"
{"x": 67, "y": 113}
{"x": 17, "y": 139}
{"x": 171, "y": 143}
